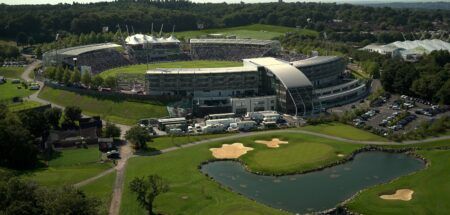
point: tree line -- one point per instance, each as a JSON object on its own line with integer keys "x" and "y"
{"x": 40, "y": 23}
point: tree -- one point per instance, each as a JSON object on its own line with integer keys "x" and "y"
{"x": 53, "y": 116}
{"x": 18, "y": 196}
{"x": 110, "y": 82}
{"x": 111, "y": 130}
{"x": 97, "y": 81}
{"x": 16, "y": 146}
{"x": 59, "y": 74}
{"x": 86, "y": 78}
{"x": 50, "y": 73}
{"x": 138, "y": 136}
{"x": 76, "y": 76}
{"x": 71, "y": 115}
{"x": 147, "y": 189}
{"x": 66, "y": 76}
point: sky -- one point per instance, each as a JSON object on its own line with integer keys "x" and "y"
{"x": 214, "y": 1}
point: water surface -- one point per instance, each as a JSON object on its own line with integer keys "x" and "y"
{"x": 315, "y": 191}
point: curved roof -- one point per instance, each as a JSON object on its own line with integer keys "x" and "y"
{"x": 313, "y": 61}
{"x": 289, "y": 76}
{"x": 77, "y": 50}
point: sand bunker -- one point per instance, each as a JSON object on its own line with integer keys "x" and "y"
{"x": 402, "y": 194}
{"x": 340, "y": 155}
{"x": 274, "y": 143}
{"x": 228, "y": 151}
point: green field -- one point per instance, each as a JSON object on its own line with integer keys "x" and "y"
{"x": 431, "y": 190}
{"x": 142, "y": 68}
{"x": 165, "y": 142}
{"x": 344, "y": 131}
{"x": 68, "y": 167}
{"x": 101, "y": 189}
{"x": 14, "y": 107}
{"x": 208, "y": 197}
{"x": 119, "y": 111}
{"x": 256, "y": 31}
{"x": 9, "y": 91}
{"x": 11, "y": 72}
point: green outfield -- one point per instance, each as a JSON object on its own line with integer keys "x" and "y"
{"x": 142, "y": 68}
{"x": 68, "y": 167}
{"x": 119, "y": 111}
{"x": 256, "y": 31}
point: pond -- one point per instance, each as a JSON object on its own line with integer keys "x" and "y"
{"x": 318, "y": 190}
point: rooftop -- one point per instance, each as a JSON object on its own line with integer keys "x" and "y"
{"x": 139, "y": 39}
{"x": 315, "y": 61}
{"x": 77, "y": 50}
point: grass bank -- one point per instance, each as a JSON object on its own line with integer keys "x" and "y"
{"x": 101, "y": 189}
{"x": 119, "y": 111}
{"x": 9, "y": 91}
{"x": 142, "y": 68}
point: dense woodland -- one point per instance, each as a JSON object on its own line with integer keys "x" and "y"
{"x": 40, "y": 23}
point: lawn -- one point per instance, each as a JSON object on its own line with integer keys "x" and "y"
{"x": 68, "y": 167}
{"x": 194, "y": 193}
{"x": 101, "y": 189}
{"x": 431, "y": 190}
{"x": 255, "y": 31}
{"x": 9, "y": 91}
{"x": 142, "y": 68}
{"x": 119, "y": 111}
{"x": 11, "y": 72}
{"x": 14, "y": 107}
{"x": 164, "y": 142}
{"x": 344, "y": 131}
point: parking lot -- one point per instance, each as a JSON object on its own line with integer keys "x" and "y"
{"x": 399, "y": 114}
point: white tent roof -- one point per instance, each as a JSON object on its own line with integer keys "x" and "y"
{"x": 139, "y": 39}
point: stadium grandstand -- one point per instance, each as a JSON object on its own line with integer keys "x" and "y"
{"x": 303, "y": 88}
{"x": 94, "y": 58}
{"x": 232, "y": 49}
{"x": 408, "y": 50}
{"x": 147, "y": 48}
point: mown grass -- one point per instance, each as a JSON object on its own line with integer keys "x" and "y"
{"x": 142, "y": 68}
{"x": 11, "y": 72}
{"x": 431, "y": 190}
{"x": 119, "y": 111}
{"x": 9, "y": 91}
{"x": 14, "y": 107}
{"x": 343, "y": 131}
{"x": 102, "y": 190}
{"x": 165, "y": 142}
{"x": 255, "y": 31}
{"x": 193, "y": 193}
{"x": 69, "y": 167}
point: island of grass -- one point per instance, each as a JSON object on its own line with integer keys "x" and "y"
{"x": 117, "y": 110}
{"x": 196, "y": 193}
{"x": 255, "y": 31}
{"x": 142, "y": 68}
